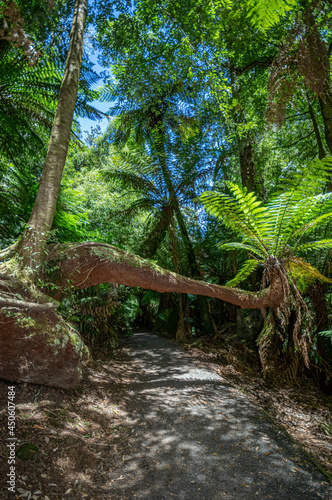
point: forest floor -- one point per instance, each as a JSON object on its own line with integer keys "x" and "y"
{"x": 156, "y": 422}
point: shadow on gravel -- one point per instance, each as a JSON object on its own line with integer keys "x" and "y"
{"x": 196, "y": 437}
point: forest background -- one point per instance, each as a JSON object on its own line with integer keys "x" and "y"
{"x": 214, "y": 169}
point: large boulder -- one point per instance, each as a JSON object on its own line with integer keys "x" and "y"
{"x": 37, "y": 345}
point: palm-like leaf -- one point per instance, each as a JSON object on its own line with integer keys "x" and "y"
{"x": 238, "y": 214}
{"x": 313, "y": 246}
{"x": 265, "y": 13}
{"x": 246, "y": 270}
{"x": 235, "y": 245}
{"x": 28, "y": 99}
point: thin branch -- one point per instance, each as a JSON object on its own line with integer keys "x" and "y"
{"x": 265, "y": 64}
{"x": 27, "y": 305}
{"x": 297, "y": 115}
{"x": 295, "y": 142}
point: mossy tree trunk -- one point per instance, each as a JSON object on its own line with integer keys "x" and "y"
{"x": 88, "y": 264}
{"x": 33, "y": 242}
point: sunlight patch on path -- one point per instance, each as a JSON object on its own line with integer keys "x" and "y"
{"x": 197, "y": 437}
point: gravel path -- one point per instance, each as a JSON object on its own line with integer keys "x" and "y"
{"x": 196, "y": 437}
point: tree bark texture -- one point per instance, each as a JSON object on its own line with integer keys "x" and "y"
{"x": 38, "y": 346}
{"x": 40, "y": 222}
{"x": 88, "y": 264}
{"x": 248, "y": 174}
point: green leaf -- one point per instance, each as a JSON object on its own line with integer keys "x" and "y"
{"x": 265, "y": 13}
{"x": 248, "y": 267}
{"x": 315, "y": 245}
{"x": 240, "y": 246}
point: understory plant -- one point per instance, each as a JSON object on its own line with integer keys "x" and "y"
{"x": 280, "y": 237}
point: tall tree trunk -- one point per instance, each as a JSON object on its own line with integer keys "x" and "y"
{"x": 207, "y": 323}
{"x": 248, "y": 173}
{"x": 321, "y": 151}
{"x": 245, "y": 141}
{"x": 34, "y": 239}
{"x": 328, "y": 133}
{"x": 325, "y": 102}
{"x": 154, "y": 239}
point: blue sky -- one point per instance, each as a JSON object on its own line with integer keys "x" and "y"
{"x": 85, "y": 123}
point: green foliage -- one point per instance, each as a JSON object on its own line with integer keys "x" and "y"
{"x": 265, "y": 13}
{"x": 27, "y": 102}
{"x": 326, "y": 333}
{"x": 275, "y": 230}
{"x": 99, "y": 313}
{"x": 247, "y": 269}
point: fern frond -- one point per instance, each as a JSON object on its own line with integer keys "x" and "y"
{"x": 322, "y": 220}
{"x": 135, "y": 208}
{"x": 129, "y": 179}
{"x": 248, "y": 267}
{"x": 107, "y": 93}
{"x": 266, "y": 13}
{"x": 307, "y": 180}
{"x": 326, "y": 333}
{"x": 253, "y": 210}
{"x": 240, "y": 246}
{"x": 292, "y": 218}
{"x": 315, "y": 245}
{"x": 237, "y": 213}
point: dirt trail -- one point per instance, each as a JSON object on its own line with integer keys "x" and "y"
{"x": 196, "y": 437}
{"x": 152, "y": 423}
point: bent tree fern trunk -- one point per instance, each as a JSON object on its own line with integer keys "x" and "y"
{"x": 88, "y": 264}
{"x": 321, "y": 151}
{"x": 52, "y": 353}
{"x": 35, "y": 236}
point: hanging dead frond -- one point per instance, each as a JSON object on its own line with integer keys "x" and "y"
{"x": 302, "y": 58}
{"x": 264, "y": 343}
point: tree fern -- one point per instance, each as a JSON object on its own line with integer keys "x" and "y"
{"x": 274, "y": 230}
{"x": 237, "y": 213}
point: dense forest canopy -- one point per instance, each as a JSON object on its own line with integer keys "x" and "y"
{"x": 214, "y": 173}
